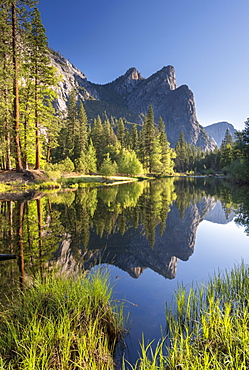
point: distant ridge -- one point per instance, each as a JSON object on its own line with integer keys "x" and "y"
{"x": 217, "y": 131}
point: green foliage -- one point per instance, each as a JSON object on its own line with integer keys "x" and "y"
{"x": 108, "y": 168}
{"x": 64, "y": 166}
{"x": 181, "y": 153}
{"x": 148, "y": 139}
{"x": 121, "y": 132}
{"x": 91, "y": 158}
{"x": 87, "y": 161}
{"x": 239, "y": 169}
{"x": 129, "y": 164}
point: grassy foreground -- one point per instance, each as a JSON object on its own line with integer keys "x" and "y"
{"x": 62, "y": 324}
{"x": 208, "y": 327}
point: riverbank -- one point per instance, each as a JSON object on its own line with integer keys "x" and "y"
{"x": 207, "y": 327}
{"x": 39, "y": 179}
{"x": 61, "y": 323}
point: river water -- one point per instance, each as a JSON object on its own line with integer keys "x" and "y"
{"x": 152, "y": 236}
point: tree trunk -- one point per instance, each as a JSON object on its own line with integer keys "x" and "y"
{"x": 19, "y": 167}
{"x": 37, "y": 139}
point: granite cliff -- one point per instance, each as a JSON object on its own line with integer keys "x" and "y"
{"x": 217, "y": 131}
{"x": 129, "y": 97}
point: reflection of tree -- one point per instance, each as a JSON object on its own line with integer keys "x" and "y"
{"x": 233, "y": 198}
{"x": 30, "y": 230}
{"x": 240, "y": 195}
{"x": 191, "y": 190}
{"x": 115, "y": 209}
{"x": 19, "y": 240}
{"x": 33, "y": 229}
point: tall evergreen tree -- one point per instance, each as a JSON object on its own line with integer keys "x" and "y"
{"x": 6, "y": 86}
{"x": 228, "y": 139}
{"x": 167, "y": 154}
{"x": 121, "y": 132}
{"x": 96, "y": 136}
{"x": 26, "y": 63}
{"x": 16, "y": 113}
{"x": 71, "y": 125}
{"x": 246, "y": 137}
{"x": 42, "y": 77}
{"x": 134, "y": 138}
{"x": 181, "y": 153}
{"x": 83, "y": 127}
{"x": 19, "y": 12}
{"x": 226, "y": 149}
{"x": 148, "y": 136}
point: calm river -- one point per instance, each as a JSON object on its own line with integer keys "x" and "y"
{"x": 152, "y": 236}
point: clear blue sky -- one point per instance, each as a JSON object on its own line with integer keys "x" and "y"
{"x": 206, "y": 42}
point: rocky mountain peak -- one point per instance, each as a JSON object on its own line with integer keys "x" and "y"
{"x": 133, "y": 74}
{"x": 129, "y": 97}
{"x": 123, "y": 85}
{"x": 167, "y": 77}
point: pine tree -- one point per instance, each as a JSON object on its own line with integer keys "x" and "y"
{"x": 156, "y": 156}
{"x": 148, "y": 136}
{"x": 226, "y": 149}
{"x": 96, "y": 136}
{"x": 71, "y": 125}
{"x": 121, "y": 132}
{"x": 181, "y": 153}
{"x": 167, "y": 154}
{"x": 40, "y": 78}
{"x": 6, "y": 87}
{"x": 83, "y": 127}
{"x": 239, "y": 144}
{"x": 228, "y": 139}
{"x": 246, "y": 137}
{"x": 91, "y": 158}
{"x": 134, "y": 138}
{"x": 14, "y": 27}
{"x": 16, "y": 113}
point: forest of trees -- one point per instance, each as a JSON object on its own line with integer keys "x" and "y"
{"x": 26, "y": 87}
{"x": 109, "y": 147}
{"x": 232, "y": 156}
{"x": 34, "y": 135}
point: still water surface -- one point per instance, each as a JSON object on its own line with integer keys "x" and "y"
{"x": 152, "y": 236}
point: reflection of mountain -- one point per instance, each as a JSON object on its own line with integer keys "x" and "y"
{"x": 218, "y": 215}
{"x": 132, "y": 251}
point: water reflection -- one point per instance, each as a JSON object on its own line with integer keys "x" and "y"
{"x": 132, "y": 226}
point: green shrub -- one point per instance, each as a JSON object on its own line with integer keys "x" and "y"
{"x": 108, "y": 168}
{"x": 129, "y": 164}
{"x": 66, "y": 165}
{"x": 239, "y": 169}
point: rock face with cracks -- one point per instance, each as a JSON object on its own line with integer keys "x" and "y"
{"x": 129, "y": 97}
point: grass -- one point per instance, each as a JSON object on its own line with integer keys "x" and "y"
{"x": 208, "y": 327}
{"x": 61, "y": 323}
